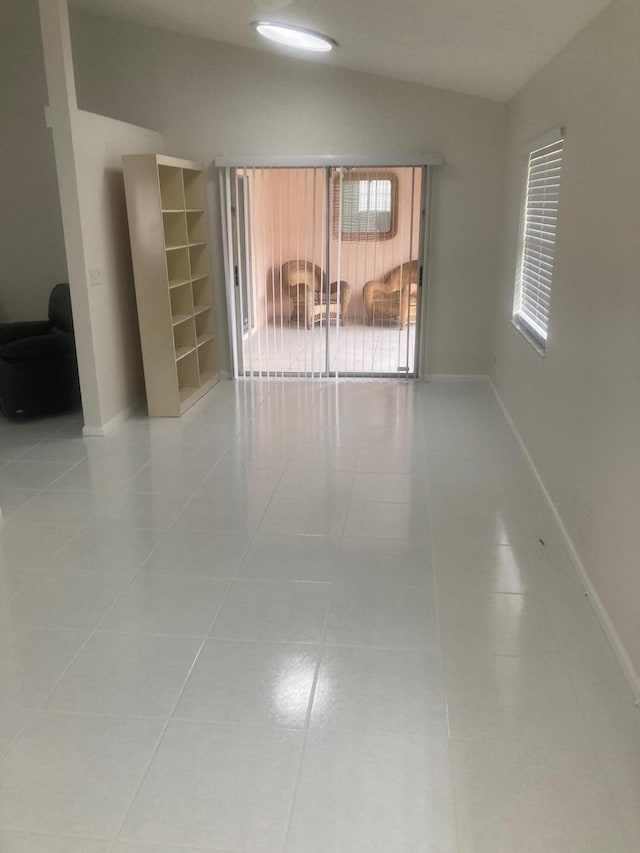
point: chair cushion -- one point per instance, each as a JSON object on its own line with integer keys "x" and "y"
{"x": 41, "y": 347}
{"x": 23, "y": 329}
{"x": 60, "y": 314}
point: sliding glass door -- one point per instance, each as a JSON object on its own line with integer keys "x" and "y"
{"x": 325, "y": 268}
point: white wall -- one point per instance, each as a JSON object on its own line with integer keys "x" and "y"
{"x": 33, "y": 257}
{"x": 210, "y": 99}
{"x": 578, "y": 408}
{"x": 88, "y": 149}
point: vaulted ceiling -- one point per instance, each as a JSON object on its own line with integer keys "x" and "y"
{"x": 481, "y": 47}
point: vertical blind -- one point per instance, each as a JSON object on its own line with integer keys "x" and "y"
{"x": 303, "y": 246}
{"x": 538, "y": 239}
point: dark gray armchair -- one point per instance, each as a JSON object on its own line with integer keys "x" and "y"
{"x": 38, "y": 366}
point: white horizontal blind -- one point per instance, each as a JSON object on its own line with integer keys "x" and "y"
{"x": 538, "y": 240}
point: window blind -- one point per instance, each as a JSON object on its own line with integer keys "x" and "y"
{"x": 364, "y": 205}
{"x": 538, "y": 239}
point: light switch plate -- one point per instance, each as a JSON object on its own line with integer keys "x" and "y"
{"x": 94, "y": 277}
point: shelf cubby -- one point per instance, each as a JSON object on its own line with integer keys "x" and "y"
{"x": 168, "y": 229}
{"x": 202, "y": 297}
{"x": 178, "y": 265}
{"x": 194, "y": 190}
{"x": 207, "y": 359}
{"x": 188, "y": 374}
{"x": 196, "y": 226}
{"x": 181, "y": 305}
{"x": 204, "y": 326}
{"x": 184, "y": 339}
{"x": 199, "y": 260}
{"x": 171, "y": 188}
{"x": 175, "y": 229}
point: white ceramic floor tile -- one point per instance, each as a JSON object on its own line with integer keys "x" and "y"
{"x": 25, "y": 842}
{"x": 102, "y": 548}
{"x": 366, "y": 560}
{"x": 138, "y": 847}
{"x": 519, "y": 800}
{"x": 304, "y": 484}
{"x": 265, "y": 684}
{"x": 66, "y": 600}
{"x": 529, "y": 699}
{"x": 163, "y": 475}
{"x": 493, "y": 624}
{"x": 12, "y": 581}
{"x": 317, "y": 516}
{"x": 238, "y": 512}
{"x": 98, "y": 477}
{"x": 68, "y": 451}
{"x": 132, "y": 510}
{"x": 74, "y": 774}
{"x": 32, "y": 475}
{"x": 321, "y": 455}
{"x": 129, "y": 674}
{"x": 58, "y": 508}
{"x": 30, "y": 546}
{"x": 379, "y": 458}
{"x": 620, "y": 767}
{"x": 286, "y": 611}
{"x": 13, "y": 718}
{"x": 383, "y": 615}
{"x": 389, "y": 488}
{"x": 407, "y": 522}
{"x": 305, "y": 558}
{"x": 12, "y": 499}
{"x": 473, "y": 570}
{"x": 12, "y": 447}
{"x": 373, "y": 792}
{"x": 209, "y": 784}
{"x": 198, "y": 552}
{"x": 260, "y": 482}
{"x": 167, "y": 604}
{"x": 604, "y": 695}
{"x": 380, "y": 690}
{"x": 32, "y": 660}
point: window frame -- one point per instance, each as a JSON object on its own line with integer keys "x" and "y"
{"x": 358, "y": 176}
{"x": 519, "y": 319}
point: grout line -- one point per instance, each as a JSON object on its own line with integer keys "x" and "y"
{"x": 434, "y": 592}
{"x": 307, "y": 722}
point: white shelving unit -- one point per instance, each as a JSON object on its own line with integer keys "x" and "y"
{"x": 169, "y": 245}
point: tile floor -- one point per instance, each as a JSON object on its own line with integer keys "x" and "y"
{"x": 309, "y": 617}
{"x": 353, "y": 348}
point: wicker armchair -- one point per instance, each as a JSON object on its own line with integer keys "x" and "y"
{"x": 310, "y": 300}
{"x": 393, "y": 300}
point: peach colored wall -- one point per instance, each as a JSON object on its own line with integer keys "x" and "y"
{"x": 288, "y": 217}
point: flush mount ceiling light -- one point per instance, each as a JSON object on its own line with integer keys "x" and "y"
{"x": 297, "y": 37}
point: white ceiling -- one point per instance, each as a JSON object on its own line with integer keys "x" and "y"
{"x": 481, "y": 47}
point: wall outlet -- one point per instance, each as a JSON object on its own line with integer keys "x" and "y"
{"x": 94, "y": 277}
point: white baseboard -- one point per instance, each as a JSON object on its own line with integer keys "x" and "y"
{"x": 115, "y": 421}
{"x": 456, "y": 377}
{"x": 629, "y": 670}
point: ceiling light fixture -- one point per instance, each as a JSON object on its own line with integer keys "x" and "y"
{"x": 296, "y": 37}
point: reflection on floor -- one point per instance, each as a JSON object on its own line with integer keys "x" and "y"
{"x": 354, "y": 348}
{"x": 308, "y": 617}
